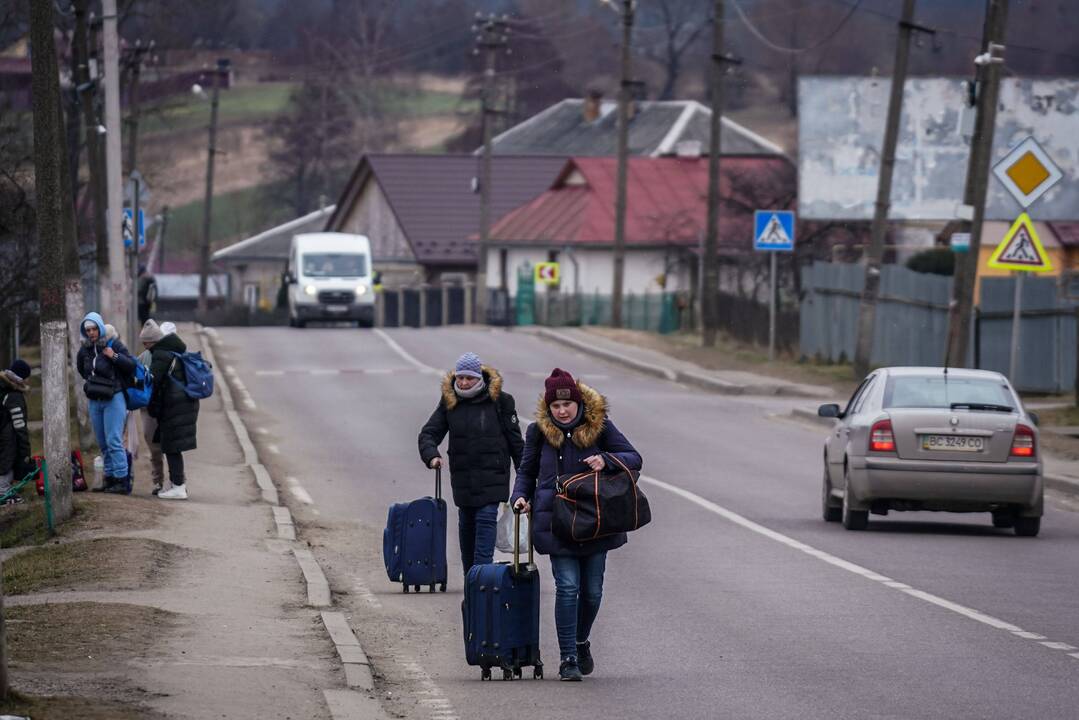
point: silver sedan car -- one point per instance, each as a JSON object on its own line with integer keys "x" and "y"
{"x": 933, "y": 439}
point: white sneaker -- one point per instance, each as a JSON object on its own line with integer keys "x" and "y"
{"x": 176, "y": 492}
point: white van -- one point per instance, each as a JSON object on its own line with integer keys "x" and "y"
{"x": 330, "y": 278}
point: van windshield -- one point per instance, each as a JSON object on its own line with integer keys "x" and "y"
{"x": 342, "y": 265}
{"x": 912, "y": 391}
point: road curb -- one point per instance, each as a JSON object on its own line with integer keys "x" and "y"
{"x": 812, "y": 416}
{"x": 351, "y": 705}
{"x": 286, "y": 530}
{"x": 357, "y": 666}
{"x": 318, "y": 589}
{"x": 639, "y": 365}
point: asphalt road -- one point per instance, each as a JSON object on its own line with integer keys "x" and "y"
{"x": 737, "y": 601}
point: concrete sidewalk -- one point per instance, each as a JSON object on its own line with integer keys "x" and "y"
{"x": 242, "y": 645}
{"x": 651, "y": 362}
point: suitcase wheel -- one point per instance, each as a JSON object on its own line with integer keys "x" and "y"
{"x": 416, "y": 588}
{"x": 537, "y": 672}
{"x": 517, "y": 673}
{"x": 485, "y": 674}
{"x": 442, "y": 588}
{"x": 405, "y": 586}
{"x": 431, "y": 587}
{"x": 507, "y": 674}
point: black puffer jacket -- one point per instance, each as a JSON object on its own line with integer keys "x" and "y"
{"x": 92, "y": 359}
{"x": 484, "y": 438}
{"x": 14, "y": 435}
{"x": 177, "y": 415}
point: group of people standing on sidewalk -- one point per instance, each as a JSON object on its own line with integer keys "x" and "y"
{"x": 572, "y": 433}
{"x": 169, "y": 421}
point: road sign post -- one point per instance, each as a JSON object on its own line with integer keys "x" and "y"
{"x": 773, "y": 231}
{"x": 1021, "y": 251}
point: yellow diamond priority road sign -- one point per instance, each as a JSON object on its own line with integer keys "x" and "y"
{"x": 1028, "y": 172}
{"x": 1021, "y": 249}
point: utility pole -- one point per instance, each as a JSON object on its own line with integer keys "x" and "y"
{"x": 989, "y": 65}
{"x": 709, "y": 281}
{"x": 133, "y": 65}
{"x": 86, "y": 87}
{"x": 867, "y": 311}
{"x": 624, "y": 89}
{"x": 48, "y": 180}
{"x": 204, "y": 252}
{"x": 115, "y": 299}
{"x": 492, "y": 37}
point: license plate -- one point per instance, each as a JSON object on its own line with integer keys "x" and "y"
{"x": 337, "y": 308}
{"x": 953, "y": 443}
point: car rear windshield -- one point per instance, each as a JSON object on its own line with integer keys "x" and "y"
{"x": 937, "y": 392}
{"x": 342, "y": 265}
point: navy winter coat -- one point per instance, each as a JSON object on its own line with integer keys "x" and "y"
{"x": 550, "y": 452}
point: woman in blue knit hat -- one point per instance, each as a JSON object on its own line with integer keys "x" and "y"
{"x": 481, "y": 420}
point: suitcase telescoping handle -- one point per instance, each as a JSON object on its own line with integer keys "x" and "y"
{"x": 438, "y": 482}
{"x": 517, "y": 538}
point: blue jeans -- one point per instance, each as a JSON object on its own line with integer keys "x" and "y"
{"x": 476, "y": 531}
{"x": 578, "y": 590}
{"x": 108, "y": 418}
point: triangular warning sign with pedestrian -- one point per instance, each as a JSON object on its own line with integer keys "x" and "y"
{"x": 774, "y": 234}
{"x": 1021, "y": 249}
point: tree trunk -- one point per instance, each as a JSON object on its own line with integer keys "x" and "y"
{"x": 49, "y": 153}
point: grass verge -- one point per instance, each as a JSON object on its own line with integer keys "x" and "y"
{"x": 98, "y": 564}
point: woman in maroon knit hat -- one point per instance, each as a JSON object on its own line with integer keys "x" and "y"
{"x": 572, "y": 434}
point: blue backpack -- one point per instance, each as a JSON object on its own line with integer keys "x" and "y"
{"x": 141, "y": 387}
{"x": 199, "y": 374}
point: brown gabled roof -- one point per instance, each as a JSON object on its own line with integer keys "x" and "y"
{"x": 434, "y": 202}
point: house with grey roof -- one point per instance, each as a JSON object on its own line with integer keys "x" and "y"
{"x": 422, "y": 212}
{"x": 588, "y": 126}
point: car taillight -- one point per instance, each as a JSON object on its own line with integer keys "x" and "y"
{"x": 881, "y": 438}
{"x": 1023, "y": 442}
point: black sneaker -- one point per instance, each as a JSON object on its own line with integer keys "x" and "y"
{"x": 569, "y": 671}
{"x": 584, "y": 658}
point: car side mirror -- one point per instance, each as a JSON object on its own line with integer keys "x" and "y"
{"x": 290, "y": 279}
{"x": 1034, "y": 418}
{"x": 830, "y": 410}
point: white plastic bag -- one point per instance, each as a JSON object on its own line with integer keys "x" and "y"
{"x": 504, "y": 533}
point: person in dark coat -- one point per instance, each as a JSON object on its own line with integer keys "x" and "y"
{"x": 572, "y": 434}
{"x": 485, "y": 437}
{"x": 147, "y": 294}
{"x": 107, "y": 367}
{"x": 177, "y": 415}
{"x": 15, "y": 463}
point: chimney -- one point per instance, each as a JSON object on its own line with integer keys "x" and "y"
{"x": 592, "y": 104}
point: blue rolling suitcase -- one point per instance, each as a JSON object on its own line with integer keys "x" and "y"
{"x": 501, "y": 615}
{"x": 414, "y": 541}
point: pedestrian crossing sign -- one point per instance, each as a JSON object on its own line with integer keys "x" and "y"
{"x": 1021, "y": 249}
{"x": 773, "y": 230}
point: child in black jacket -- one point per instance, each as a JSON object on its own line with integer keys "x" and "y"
{"x": 15, "y": 461}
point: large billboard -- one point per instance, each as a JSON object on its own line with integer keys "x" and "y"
{"x": 841, "y": 129}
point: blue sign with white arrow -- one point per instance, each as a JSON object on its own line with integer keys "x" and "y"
{"x": 129, "y": 230}
{"x": 773, "y": 230}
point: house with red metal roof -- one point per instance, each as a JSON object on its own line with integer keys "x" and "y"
{"x": 573, "y": 221}
{"x": 422, "y": 212}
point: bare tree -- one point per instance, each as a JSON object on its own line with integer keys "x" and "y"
{"x": 681, "y": 23}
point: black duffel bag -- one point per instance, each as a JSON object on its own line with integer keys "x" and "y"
{"x": 593, "y": 505}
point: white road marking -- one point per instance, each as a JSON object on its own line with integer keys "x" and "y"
{"x": 364, "y": 593}
{"x": 269, "y": 373}
{"x": 262, "y": 431}
{"x": 866, "y": 573}
{"x": 1074, "y": 655}
{"x": 1030, "y": 635}
{"x": 405, "y": 355}
{"x": 298, "y": 492}
{"x": 273, "y": 448}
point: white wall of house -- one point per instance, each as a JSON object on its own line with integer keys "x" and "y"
{"x": 596, "y": 270}
{"x": 372, "y": 216}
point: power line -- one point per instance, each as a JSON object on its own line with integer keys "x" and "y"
{"x": 789, "y": 50}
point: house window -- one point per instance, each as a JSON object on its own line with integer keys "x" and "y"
{"x": 251, "y": 296}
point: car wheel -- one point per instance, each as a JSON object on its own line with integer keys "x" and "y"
{"x": 1027, "y": 526}
{"x": 852, "y": 519}
{"x": 830, "y": 510}
{"x": 1003, "y": 519}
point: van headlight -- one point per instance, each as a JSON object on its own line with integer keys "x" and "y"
{"x": 309, "y": 290}
{"x": 361, "y": 290}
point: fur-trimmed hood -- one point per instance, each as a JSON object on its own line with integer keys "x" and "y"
{"x": 490, "y": 376}
{"x": 11, "y": 380}
{"x": 585, "y": 434}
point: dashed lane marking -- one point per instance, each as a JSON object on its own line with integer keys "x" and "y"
{"x": 366, "y": 595}
{"x": 850, "y": 567}
{"x": 298, "y": 491}
{"x": 273, "y": 448}
{"x": 438, "y": 705}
